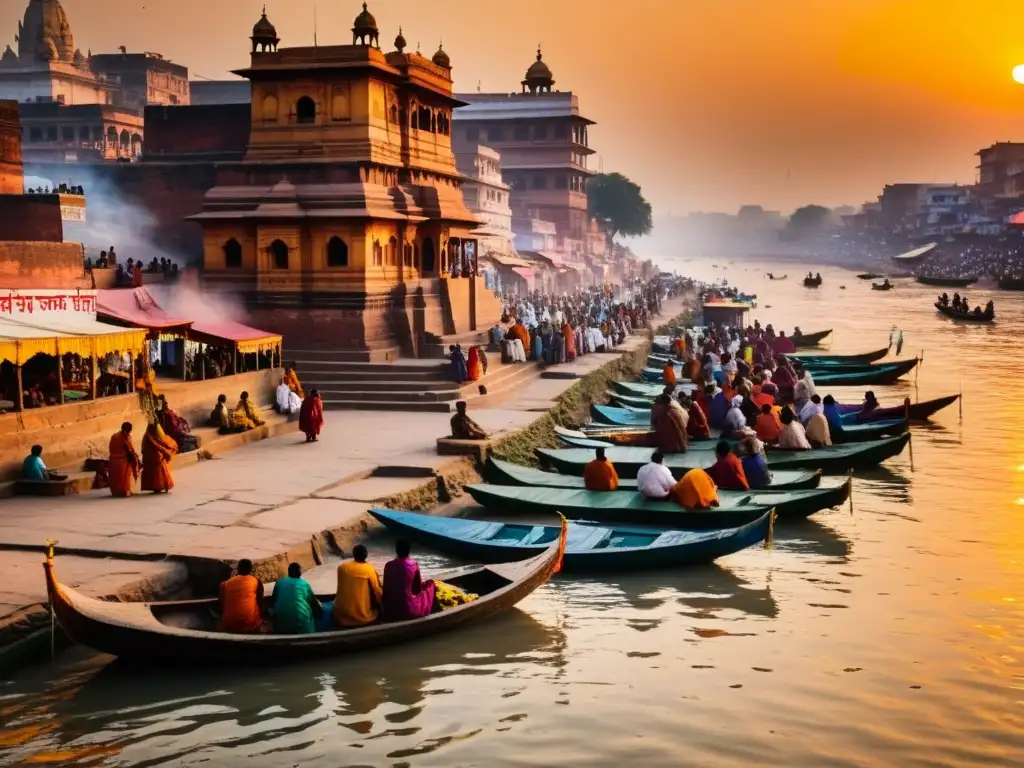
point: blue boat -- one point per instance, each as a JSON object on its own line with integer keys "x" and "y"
{"x": 620, "y": 417}
{"x": 588, "y": 548}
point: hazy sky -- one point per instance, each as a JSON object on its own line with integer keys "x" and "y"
{"x": 707, "y": 104}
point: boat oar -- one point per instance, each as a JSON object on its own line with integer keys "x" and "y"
{"x": 910, "y": 442}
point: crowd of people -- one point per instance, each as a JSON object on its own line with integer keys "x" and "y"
{"x": 962, "y": 305}
{"x": 131, "y": 272}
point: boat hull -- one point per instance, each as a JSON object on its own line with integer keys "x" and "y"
{"x": 886, "y": 373}
{"x": 805, "y": 340}
{"x": 966, "y": 317}
{"x": 826, "y": 360}
{"x": 947, "y": 282}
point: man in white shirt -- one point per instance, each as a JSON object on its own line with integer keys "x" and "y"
{"x": 654, "y": 480}
{"x": 282, "y": 399}
{"x": 811, "y": 409}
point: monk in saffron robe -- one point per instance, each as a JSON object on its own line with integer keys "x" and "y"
{"x": 124, "y": 464}
{"x": 668, "y": 374}
{"x": 697, "y": 427}
{"x": 600, "y": 475}
{"x": 406, "y": 595}
{"x": 768, "y": 426}
{"x": 311, "y": 416}
{"x": 695, "y": 491}
{"x": 241, "y": 601}
{"x": 727, "y": 472}
{"x": 292, "y": 380}
{"x": 157, "y": 452}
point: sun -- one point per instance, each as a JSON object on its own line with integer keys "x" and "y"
{"x": 1018, "y": 73}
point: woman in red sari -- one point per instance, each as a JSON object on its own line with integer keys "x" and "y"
{"x": 123, "y": 467}
{"x": 157, "y": 452}
{"x": 473, "y": 364}
{"x": 311, "y": 416}
{"x": 570, "y": 342}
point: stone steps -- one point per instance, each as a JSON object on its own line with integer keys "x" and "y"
{"x": 436, "y": 347}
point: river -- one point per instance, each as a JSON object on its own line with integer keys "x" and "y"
{"x": 886, "y": 635}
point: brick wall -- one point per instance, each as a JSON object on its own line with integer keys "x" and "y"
{"x": 42, "y": 265}
{"x": 11, "y": 176}
{"x": 31, "y": 217}
{"x": 214, "y": 129}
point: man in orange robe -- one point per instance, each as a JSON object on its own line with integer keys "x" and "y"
{"x": 668, "y": 374}
{"x": 569, "y": 337}
{"x": 124, "y": 462}
{"x": 600, "y": 475}
{"x": 768, "y": 426}
{"x": 157, "y": 452}
{"x": 241, "y": 601}
{"x": 695, "y": 491}
{"x": 727, "y": 472}
{"x": 697, "y": 426}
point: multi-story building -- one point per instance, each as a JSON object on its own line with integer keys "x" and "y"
{"x": 54, "y": 133}
{"x": 542, "y": 138}
{"x": 486, "y": 195}
{"x": 141, "y": 79}
{"x": 994, "y": 164}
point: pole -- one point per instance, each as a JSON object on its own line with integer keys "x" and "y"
{"x": 21, "y": 390}
{"x": 60, "y": 375}
{"x": 92, "y": 373}
{"x": 910, "y": 442}
{"x": 849, "y": 476}
{"x": 961, "y": 401}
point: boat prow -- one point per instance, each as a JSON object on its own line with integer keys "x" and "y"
{"x": 184, "y": 632}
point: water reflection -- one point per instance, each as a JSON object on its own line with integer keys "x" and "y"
{"x": 812, "y": 537}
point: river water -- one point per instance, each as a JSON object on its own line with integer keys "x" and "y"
{"x": 886, "y": 635}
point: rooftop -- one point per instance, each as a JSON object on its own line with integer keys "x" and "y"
{"x": 506, "y": 106}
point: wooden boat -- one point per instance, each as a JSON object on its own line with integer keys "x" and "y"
{"x": 588, "y": 548}
{"x": 967, "y": 317}
{"x": 805, "y": 340}
{"x": 499, "y": 472}
{"x": 773, "y": 277}
{"x": 869, "y": 276}
{"x": 916, "y": 254}
{"x": 882, "y": 286}
{"x": 1011, "y": 284}
{"x": 629, "y": 506}
{"x": 947, "y": 282}
{"x": 812, "y": 282}
{"x": 638, "y": 437}
{"x": 886, "y": 373}
{"x": 921, "y": 411}
{"x": 627, "y": 461}
{"x": 185, "y": 631}
{"x": 639, "y": 389}
{"x": 621, "y": 417}
{"x": 823, "y": 360}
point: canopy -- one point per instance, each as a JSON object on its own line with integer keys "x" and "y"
{"x": 137, "y": 308}
{"x": 507, "y": 261}
{"x": 21, "y": 340}
{"x": 245, "y": 338}
{"x": 917, "y": 253}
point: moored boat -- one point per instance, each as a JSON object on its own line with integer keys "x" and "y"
{"x": 805, "y": 340}
{"x": 886, "y": 286}
{"x": 588, "y": 548}
{"x": 869, "y": 276}
{"x": 823, "y": 360}
{"x": 500, "y": 472}
{"x": 1011, "y": 284}
{"x": 947, "y": 282}
{"x": 968, "y": 317}
{"x": 834, "y": 458}
{"x": 885, "y": 373}
{"x": 920, "y": 411}
{"x": 629, "y": 506}
{"x": 185, "y": 631}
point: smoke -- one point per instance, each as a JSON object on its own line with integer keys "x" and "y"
{"x": 112, "y": 219}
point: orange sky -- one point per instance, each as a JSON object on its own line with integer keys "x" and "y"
{"x": 707, "y": 104}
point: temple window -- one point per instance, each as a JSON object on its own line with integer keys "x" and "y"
{"x": 561, "y": 181}
{"x": 83, "y": 133}
{"x": 538, "y": 181}
{"x": 495, "y": 134}
{"x": 424, "y": 121}
{"x": 51, "y": 133}
{"x": 125, "y": 139}
{"x": 392, "y": 252}
{"x": 562, "y": 132}
{"x": 232, "y": 254}
{"x": 337, "y": 252}
{"x": 378, "y": 254}
{"x": 443, "y": 125}
{"x": 305, "y": 111}
{"x": 279, "y": 250}
{"x": 394, "y": 114}
{"x": 67, "y": 133}
{"x": 416, "y": 255}
{"x": 407, "y": 255}
{"x": 35, "y": 133}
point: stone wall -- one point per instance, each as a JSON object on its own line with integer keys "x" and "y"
{"x": 11, "y": 176}
{"x": 42, "y": 265}
{"x": 31, "y": 217}
{"x": 74, "y": 432}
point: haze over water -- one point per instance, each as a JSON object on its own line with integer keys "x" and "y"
{"x": 889, "y": 636}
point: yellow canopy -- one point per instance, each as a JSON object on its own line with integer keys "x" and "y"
{"x": 20, "y": 340}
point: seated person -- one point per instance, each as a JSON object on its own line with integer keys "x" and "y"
{"x": 768, "y": 425}
{"x": 359, "y": 596}
{"x": 177, "y": 428}
{"x": 294, "y": 604}
{"x": 695, "y": 491}
{"x": 811, "y": 407}
{"x": 817, "y": 431}
{"x": 833, "y": 416}
{"x": 792, "y": 436}
{"x": 33, "y": 467}
{"x": 735, "y": 423}
{"x": 248, "y": 409}
{"x": 654, "y": 480}
{"x": 286, "y": 401}
{"x": 221, "y": 417}
{"x": 600, "y": 475}
{"x": 727, "y": 472}
{"x": 697, "y": 423}
{"x": 241, "y": 601}
{"x": 463, "y": 427}
{"x": 755, "y": 466}
{"x": 406, "y": 595}
{"x": 291, "y": 379}
{"x": 668, "y": 375}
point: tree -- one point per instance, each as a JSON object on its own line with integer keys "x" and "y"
{"x": 618, "y": 206}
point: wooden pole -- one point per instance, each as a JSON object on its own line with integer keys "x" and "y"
{"x": 60, "y": 376}
{"x": 21, "y": 390}
{"x": 92, "y": 373}
{"x": 961, "y": 401}
{"x": 910, "y": 442}
{"x": 850, "y": 476}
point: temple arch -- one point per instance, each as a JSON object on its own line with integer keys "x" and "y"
{"x": 305, "y": 111}
{"x": 337, "y": 252}
{"x": 279, "y": 250}
{"x": 428, "y": 255}
{"x": 232, "y": 254}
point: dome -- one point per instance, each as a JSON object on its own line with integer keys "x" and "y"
{"x": 400, "y": 41}
{"x": 45, "y": 29}
{"x": 264, "y": 35}
{"x": 538, "y": 76}
{"x": 441, "y": 58}
{"x": 364, "y": 23}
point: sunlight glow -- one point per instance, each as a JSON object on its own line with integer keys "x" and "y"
{"x": 1018, "y": 73}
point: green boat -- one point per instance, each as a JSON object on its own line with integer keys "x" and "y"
{"x": 834, "y": 459}
{"x": 864, "y": 357}
{"x": 626, "y": 401}
{"x": 884, "y": 373}
{"x": 589, "y": 549}
{"x": 631, "y": 507}
{"x": 620, "y": 417}
{"x": 498, "y": 472}
{"x": 645, "y": 389}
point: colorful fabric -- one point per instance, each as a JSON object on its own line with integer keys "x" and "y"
{"x": 124, "y": 465}
{"x": 406, "y": 595}
{"x": 695, "y": 491}
{"x": 768, "y": 427}
{"x": 311, "y": 415}
{"x": 449, "y": 596}
{"x": 359, "y": 594}
{"x": 756, "y": 470}
{"x": 33, "y": 468}
{"x": 728, "y": 473}
{"x": 158, "y": 450}
{"x": 292, "y": 380}
{"x": 668, "y": 375}
{"x": 669, "y": 429}
{"x": 600, "y": 475}
{"x": 293, "y": 607}
{"x": 817, "y": 431}
{"x": 473, "y": 367}
{"x": 697, "y": 425}
{"x": 239, "y": 604}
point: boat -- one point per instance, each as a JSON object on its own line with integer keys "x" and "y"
{"x": 916, "y": 254}
{"x": 628, "y": 506}
{"x": 947, "y": 282}
{"x": 967, "y": 317}
{"x": 185, "y": 631}
{"x": 921, "y": 411}
{"x": 869, "y": 276}
{"x": 627, "y": 461}
{"x": 773, "y": 277}
{"x": 805, "y": 340}
{"x": 885, "y": 373}
{"x": 589, "y": 549}
{"x": 620, "y": 417}
{"x": 639, "y": 437}
{"x": 1011, "y": 284}
{"x": 823, "y": 360}
{"x": 498, "y": 472}
{"x": 812, "y": 282}
{"x": 882, "y": 286}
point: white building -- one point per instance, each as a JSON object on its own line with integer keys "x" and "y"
{"x": 486, "y": 195}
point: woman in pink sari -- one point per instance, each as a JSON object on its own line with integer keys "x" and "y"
{"x": 406, "y": 595}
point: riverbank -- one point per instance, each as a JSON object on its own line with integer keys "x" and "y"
{"x": 277, "y": 501}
